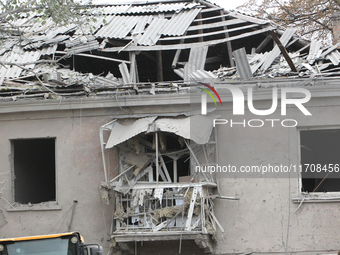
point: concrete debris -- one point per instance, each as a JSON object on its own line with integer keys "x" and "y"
{"x": 106, "y": 192}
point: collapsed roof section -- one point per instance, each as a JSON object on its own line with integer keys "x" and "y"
{"x": 113, "y": 48}
{"x": 150, "y": 48}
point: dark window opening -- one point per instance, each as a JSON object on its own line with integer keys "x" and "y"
{"x": 320, "y": 160}
{"x": 34, "y": 170}
{"x": 183, "y": 167}
{"x": 174, "y": 154}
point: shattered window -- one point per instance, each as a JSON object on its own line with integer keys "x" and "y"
{"x": 173, "y": 157}
{"x": 34, "y": 170}
{"x": 320, "y": 160}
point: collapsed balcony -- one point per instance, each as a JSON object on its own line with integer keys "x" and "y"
{"x": 158, "y": 192}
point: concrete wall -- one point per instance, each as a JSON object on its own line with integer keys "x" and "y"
{"x": 79, "y": 173}
{"x": 260, "y": 220}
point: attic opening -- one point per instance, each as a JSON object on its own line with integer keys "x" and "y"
{"x": 320, "y": 162}
{"x": 34, "y": 170}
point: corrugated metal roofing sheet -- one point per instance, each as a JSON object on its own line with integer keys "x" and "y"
{"x": 91, "y": 26}
{"x": 91, "y": 45}
{"x": 74, "y": 41}
{"x": 118, "y": 9}
{"x": 140, "y": 27}
{"x": 194, "y": 128}
{"x": 196, "y": 60}
{"x": 151, "y": 8}
{"x": 34, "y": 27}
{"x": 120, "y": 133}
{"x": 7, "y": 45}
{"x": 19, "y": 56}
{"x": 49, "y": 50}
{"x": 242, "y": 64}
{"x": 60, "y": 30}
{"x": 314, "y": 51}
{"x": 119, "y": 27}
{"x": 334, "y": 56}
{"x": 179, "y": 22}
{"x": 160, "y": 7}
{"x": 200, "y": 75}
{"x": 152, "y": 33}
{"x": 57, "y": 39}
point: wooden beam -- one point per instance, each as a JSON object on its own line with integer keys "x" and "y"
{"x": 207, "y": 34}
{"x": 229, "y": 48}
{"x": 211, "y": 9}
{"x": 283, "y": 51}
{"x": 216, "y": 24}
{"x": 96, "y": 56}
{"x": 303, "y": 48}
{"x": 200, "y": 30}
{"x": 159, "y": 65}
{"x": 210, "y": 18}
{"x": 188, "y": 45}
{"x": 292, "y": 42}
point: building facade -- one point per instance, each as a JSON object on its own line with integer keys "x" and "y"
{"x": 172, "y": 128}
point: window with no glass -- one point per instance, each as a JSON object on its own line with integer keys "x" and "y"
{"x": 320, "y": 160}
{"x": 34, "y": 170}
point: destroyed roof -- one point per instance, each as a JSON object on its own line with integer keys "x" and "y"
{"x": 149, "y": 48}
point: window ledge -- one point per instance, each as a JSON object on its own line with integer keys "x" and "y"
{"x": 318, "y": 197}
{"x": 45, "y": 206}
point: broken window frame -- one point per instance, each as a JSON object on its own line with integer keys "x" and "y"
{"x": 43, "y": 205}
{"x": 314, "y": 196}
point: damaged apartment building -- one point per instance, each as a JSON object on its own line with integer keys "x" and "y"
{"x": 103, "y": 131}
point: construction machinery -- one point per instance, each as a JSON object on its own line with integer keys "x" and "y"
{"x": 57, "y": 244}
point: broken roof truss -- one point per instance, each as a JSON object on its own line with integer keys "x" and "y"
{"x": 133, "y": 49}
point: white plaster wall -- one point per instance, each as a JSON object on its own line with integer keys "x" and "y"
{"x": 258, "y": 222}
{"x": 79, "y": 172}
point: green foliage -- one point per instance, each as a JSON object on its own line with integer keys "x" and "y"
{"x": 60, "y": 11}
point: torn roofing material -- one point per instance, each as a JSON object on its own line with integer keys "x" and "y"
{"x": 120, "y": 133}
{"x": 197, "y": 128}
{"x": 122, "y": 50}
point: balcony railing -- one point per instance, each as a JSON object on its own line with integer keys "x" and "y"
{"x": 168, "y": 207}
